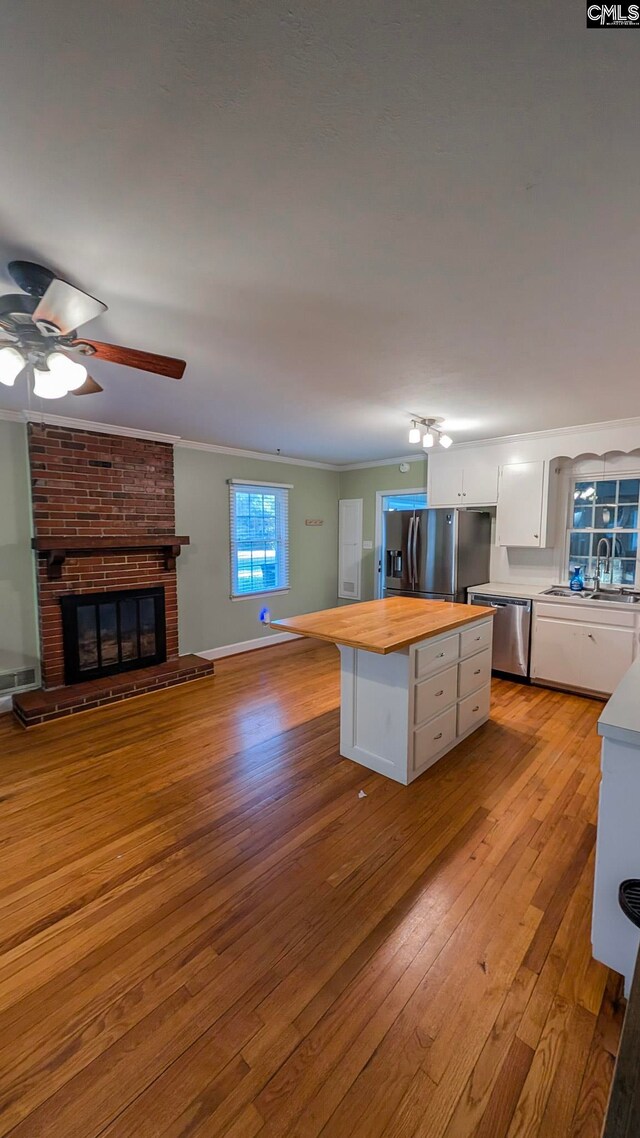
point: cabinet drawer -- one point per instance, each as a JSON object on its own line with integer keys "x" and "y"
{"x": 475, "y": 672}
{"x": 431, "y": 696}
{"x": 475, "y": 638}
{"x": 433, "y": 737}
{"x": 473, "y": 709}
{"x": 437, "y": 655}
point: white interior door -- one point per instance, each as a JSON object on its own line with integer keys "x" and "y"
{"x": 350, "y": 548}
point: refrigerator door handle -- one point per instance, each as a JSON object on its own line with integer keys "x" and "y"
{"x": 415, "y": 551}
{"x": 409, "y": 552}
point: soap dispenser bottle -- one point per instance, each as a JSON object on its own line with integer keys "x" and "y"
{"x": 576, "y": 580}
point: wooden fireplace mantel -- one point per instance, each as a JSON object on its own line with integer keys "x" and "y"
{"x": 57, "y": 549}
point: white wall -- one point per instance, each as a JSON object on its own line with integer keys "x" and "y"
{"x": 207, "y": 618}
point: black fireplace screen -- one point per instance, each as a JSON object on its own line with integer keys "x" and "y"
{"x": 105, "y": 633}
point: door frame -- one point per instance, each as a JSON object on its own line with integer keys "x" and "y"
{"x": 378, "y": 588}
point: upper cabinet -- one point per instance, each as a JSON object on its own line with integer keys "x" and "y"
{"x": 466, "y": 478}
{"x": 526, "y": 493}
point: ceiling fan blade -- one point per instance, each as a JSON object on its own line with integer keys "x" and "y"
{"x": 64, "y": 308}
{"x": 130, "y": 357}
{"x": 89, "y": 387}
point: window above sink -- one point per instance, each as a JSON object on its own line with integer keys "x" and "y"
{"x": 603, "y": 517}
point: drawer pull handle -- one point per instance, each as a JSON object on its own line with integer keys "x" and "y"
{"x": 439, "y": 655}
{"x": 477, "y": 638}
{"x": 477, "y": 671}
{"x": 438, "y": 736}
{"x": 441, "y": 692}
{"x": 476, "y": 708}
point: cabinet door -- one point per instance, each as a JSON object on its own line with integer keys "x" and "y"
{"x": 593, "y": 657}
{"x": 554, "y": 653}
{"x": 444, "y": 480}
{"x": 607, "y": 653}
{"x": 520, "y": 504}
{"x": 480, "y": 480}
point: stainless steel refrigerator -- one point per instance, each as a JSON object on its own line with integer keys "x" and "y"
{"x": 435, "y": 554}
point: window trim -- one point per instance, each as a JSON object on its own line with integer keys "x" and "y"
{"x": 617, "y": 476}
{"x": 283, "y": 554}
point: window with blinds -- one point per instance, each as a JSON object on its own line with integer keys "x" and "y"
{"x": 259, "y": 528}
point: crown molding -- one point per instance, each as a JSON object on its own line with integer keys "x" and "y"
{"x": 553, "y": 432}
{"x": 234, "y": 452}
{"x": 98, "y": 428}
{"x": 415, "y": 457}
{"x": 261, "y": 456}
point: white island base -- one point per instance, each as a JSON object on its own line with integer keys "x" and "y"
{"x": 402, "y": 711}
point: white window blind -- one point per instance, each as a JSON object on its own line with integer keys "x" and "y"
{"x": 259, "y": 529}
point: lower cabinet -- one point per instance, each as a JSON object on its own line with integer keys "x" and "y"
{"x": 451, "y": 694}
{"x": 430, "y": 739}
{"x": 589, "y": 651}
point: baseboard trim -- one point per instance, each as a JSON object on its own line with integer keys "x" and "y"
{"x": 248, "y": 645}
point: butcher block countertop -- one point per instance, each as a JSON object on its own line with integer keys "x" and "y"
{"x": 383, "y": 626}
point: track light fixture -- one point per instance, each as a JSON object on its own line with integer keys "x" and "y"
{"x": 432, "y": 433}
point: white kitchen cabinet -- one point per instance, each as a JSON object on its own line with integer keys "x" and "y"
{"x": 586, "y": 650}
{"x": 526, "y": 497}
{"x": 480, "y": 478}
{"x": 465, "y": 479}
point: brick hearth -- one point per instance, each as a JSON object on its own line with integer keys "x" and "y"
{"x": 34, "y": 707}
{"x": 86, "y": 484}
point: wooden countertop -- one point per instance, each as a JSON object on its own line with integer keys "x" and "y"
{"x": 383, "y": 626}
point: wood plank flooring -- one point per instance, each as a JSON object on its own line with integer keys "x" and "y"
{"x": 206, "y": 932}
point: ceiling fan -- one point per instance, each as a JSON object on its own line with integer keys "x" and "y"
{"x": 39, "y": 327}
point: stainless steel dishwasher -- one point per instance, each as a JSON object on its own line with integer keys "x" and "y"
{"x": 511, "y": 633}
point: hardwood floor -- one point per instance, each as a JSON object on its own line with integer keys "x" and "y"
{"x": 206, "y": 931}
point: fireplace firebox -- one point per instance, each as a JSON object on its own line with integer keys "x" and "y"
{"x": 105, "y": 633}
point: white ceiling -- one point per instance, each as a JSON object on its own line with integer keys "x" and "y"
{"x": 337, "y": 213}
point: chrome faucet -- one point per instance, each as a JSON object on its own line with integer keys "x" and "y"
{"x": 606, "y": 559}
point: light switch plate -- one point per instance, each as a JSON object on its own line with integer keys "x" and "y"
{"x": 367, "y": 545}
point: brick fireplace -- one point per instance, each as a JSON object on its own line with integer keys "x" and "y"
{"x": 104, "y": 522}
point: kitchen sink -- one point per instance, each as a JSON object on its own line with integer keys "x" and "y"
{"x": 625, "y": 598}
{"x": 602, "y": 595}
{"x": 562, "y": 591}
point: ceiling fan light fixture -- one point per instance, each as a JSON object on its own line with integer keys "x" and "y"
{"x": 47, "y": 385}
{"x": 72, "y": 374}
{"x": 11, "y": 364}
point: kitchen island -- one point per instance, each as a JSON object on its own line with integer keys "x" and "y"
{"x": 415, "y": 678}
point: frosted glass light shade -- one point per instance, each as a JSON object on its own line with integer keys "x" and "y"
{"x": 11, "y": 364}
{"x": 445, "y": 441}
{"x": 414, "y": 435}
{"x": 427, "y": 440}
{"x": 69, "y": 372}
{"x": 47, "y": 385}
